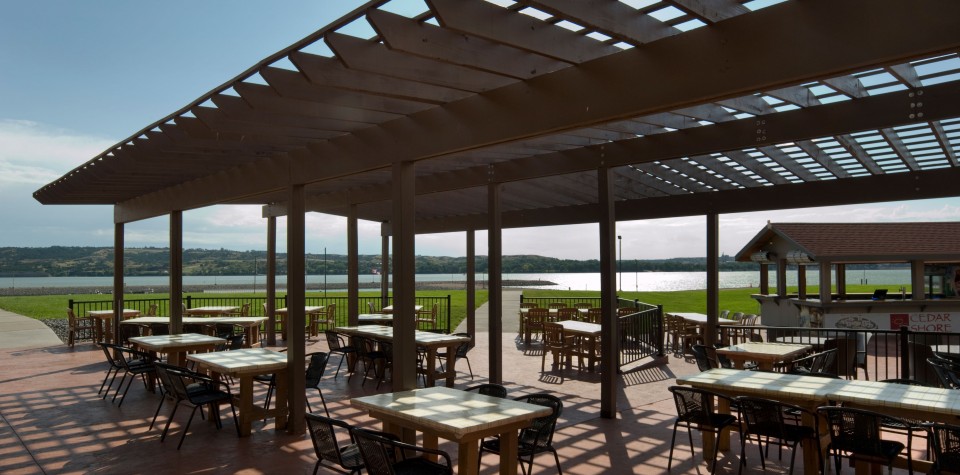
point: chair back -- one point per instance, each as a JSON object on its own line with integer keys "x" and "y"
{"x": 318, "y": 362}
{"x": 694, "y": 404}
{"x": 71, "y": 318}
{"x": 624, "y": 311}
{"x": 552, "y": 335}
{"x": 152, "y": 310}
{"x": 379, "y": 453}
{"x": 323, "y": 434}
{"x": 765, "y": 417}
{"x": 594, "y": 315}
{"x": 235, "y": 342}
{"x": 568, "y": 313}
{"x": 489, "y": 389}
{"x": 704, "y": 362}
{"x": 331, "y": 310}
{"x": 845, "y": 363}
{"x": 947, "y": 371}
{"x": 333, "y": 340}
{"x": 858, "y": 431}
{"x": 464, "y": 347}
{"x": 370, "y": 306}
{"x": 245, "y": 310}
{"x": 946, "y": 447}
{"x": 172, "y": 379}
{"x": 539, "y": 434}
{"x": 557, "y": 305}
{"x": 537, "y": 316}
{"x": 920, "y": 369}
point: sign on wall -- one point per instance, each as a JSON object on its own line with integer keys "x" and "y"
{"x": 916, "y": 321}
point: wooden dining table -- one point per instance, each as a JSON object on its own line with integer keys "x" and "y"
{"x": 176, "y": 346}
{"x": 244, "y": 365}
{"x": 586, "y": 337}
{"x": 213, "y": 310}
{"x": 250, "y": 325}
{"x": 899, "y": 400}
{"x": 311, "y": 312}
{"x": 429, "y": 341}
{"x": 104, "y": 320}
{"x": 459, "y": 416}
{"x": 389, "y": 308}
{"x": 766, "y": 355}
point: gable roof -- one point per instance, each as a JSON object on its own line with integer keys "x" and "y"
{"x": 860, "y": 242}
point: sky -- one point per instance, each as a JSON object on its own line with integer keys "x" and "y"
{"x": 78, "y": 77}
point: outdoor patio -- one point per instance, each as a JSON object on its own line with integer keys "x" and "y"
{"x": 54, "y": 422}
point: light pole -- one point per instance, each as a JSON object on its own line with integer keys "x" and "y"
{"x": 619, "y": 263}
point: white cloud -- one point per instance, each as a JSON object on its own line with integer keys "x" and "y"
{"x": 35, "y": 154}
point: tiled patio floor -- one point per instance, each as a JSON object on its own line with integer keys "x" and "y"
{"x": 53, "y": 422}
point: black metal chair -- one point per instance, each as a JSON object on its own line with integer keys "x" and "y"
{"x": 857, "y": 433}
{"x": 323, "y": 433}
{"x": 461, "y": 353}
{"x": 695, "y": 410}
{"x": 489, "y": 389}
{"x": 535, "y": 439}
{"x": 114, "y": 369}
{"x": 820, "y": 362}
{"x": 947, "y": 371}
{"x": 376, "y": 359}
{"x": 383, "y": 454}
{"x": 845, "y": 363}
{"x": 195, "y": 390}
{"x": 704, "y": 362}
{"x": 913, "y": 427}
{"x": 767, "y": 418}
{"x": 315, "y": 368}
{"x": 946, "y": 448}
{"x": 135, "y": 363}
{"x": 335, "y": 344}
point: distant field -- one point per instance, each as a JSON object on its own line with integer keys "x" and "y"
{"x": 736, "y": 300}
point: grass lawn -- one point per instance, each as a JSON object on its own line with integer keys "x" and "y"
{"x": 55, "y": 306}
{"x": 735, "y": 300}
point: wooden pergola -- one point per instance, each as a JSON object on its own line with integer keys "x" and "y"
{"x": 474, "y": 114}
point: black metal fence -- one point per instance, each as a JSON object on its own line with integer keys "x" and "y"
{"x": 258, "y": 304}
{"x": 866, "y": 353}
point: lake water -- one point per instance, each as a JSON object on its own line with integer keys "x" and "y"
{"x": 635, "y": 281}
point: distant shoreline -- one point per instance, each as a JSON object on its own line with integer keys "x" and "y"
{"x": 244, "y": 288}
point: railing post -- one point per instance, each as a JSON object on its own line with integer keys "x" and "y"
{"x": 660, "y": 330}
{"x": 905, "y": 355}
{"x": 189, "y": 303}
{"x": 449, "y": 330}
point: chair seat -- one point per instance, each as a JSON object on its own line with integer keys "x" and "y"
{"x": 420, "y": 466}
{"x": 714, "y": 421}
{"x": 887, "y": 450}
{"x": 350, "y": 456}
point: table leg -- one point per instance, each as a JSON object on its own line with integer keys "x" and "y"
{"x": 508, "y": 454}
{"x": 281, "y": 400}
{"x": 246, "y": 403}
{"x": 468, "y": 457}
{"x": 431, "y": 367}
{"x": 451, "y": 364}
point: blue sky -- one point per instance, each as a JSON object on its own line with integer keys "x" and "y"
{"x": 80, "y": 76}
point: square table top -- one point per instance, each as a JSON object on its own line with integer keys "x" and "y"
{"x": 213, "y": 309}
{"x": 581, "y": 328}
{"x": 453, "y": 413}
{"x": 386, "y": 333}
{"x": 375, "y": 317}
{"x": 183, "y": 340}
{"x": 917, "y": 401}
{"x": 247, "y": 360}
{"x": 765, "y": 349}
{"x": 109, "y": 313}
{"x": 389, "y": 308}
{"x": 307, "y": 310}
{"x": 950, "y": 349}
{"x": 700, "y": 318}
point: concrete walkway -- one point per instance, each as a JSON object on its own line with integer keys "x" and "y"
{"x": 17, "y": 331}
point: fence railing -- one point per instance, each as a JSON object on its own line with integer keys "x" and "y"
{"x": 257, "y": 305}
{"x": 872, "y": 353}
{"x": 641, "y": 335}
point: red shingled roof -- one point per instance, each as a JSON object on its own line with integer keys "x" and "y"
{"x": 928, "y": 241}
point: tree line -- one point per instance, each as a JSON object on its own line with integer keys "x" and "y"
{"x": 64, "y": 261}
